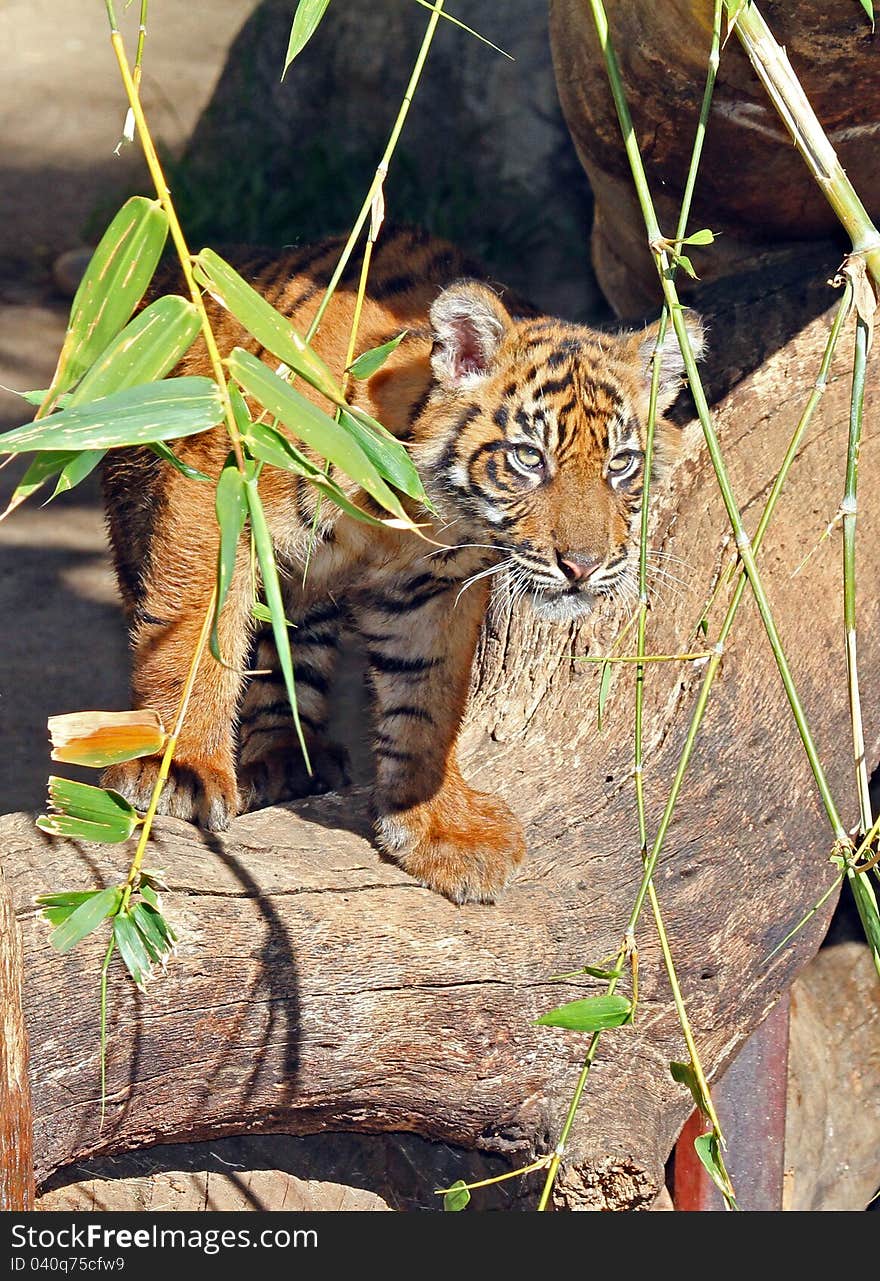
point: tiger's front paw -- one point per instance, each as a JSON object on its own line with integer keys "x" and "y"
{"x": 199, "y": 791}
{"x": 466, "y": 851}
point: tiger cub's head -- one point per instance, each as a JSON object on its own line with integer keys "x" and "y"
{"x": 533, "y": 442}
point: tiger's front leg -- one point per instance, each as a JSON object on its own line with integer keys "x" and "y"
{"x": 420, "y": 646}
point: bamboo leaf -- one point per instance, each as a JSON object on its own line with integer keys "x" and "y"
{"x": 98, "y": 739}
{"x": 305, "y": 22}
{"x": 707, "y": 1149}
{"x": 866, "y": 904}
{"x": 272, "y": 330}
{"x": 704, "y": 237}
{"x": 113, "y": 284}
{"x": 592, "y": 1014}
{"x": 58, "y": 907}
{"x": 272, "y": 589}
{"x": 604, "y": 688}
{"x": 456, "y": 1197}
{"x": 685, "y": 263}
{"x": 270, "y": 446}
{"x": 146, "y": 350}
{"x": 385, "y": 452}
{"x": 85, "y": 813}
{"x": 166, "y": 410}
{"x": 231, "y": 506}
{"x": 684, "y": 1074}
{"x": 312, "y": 425}
{"x": 132, "y": 949}
{"x": 94, "y": 909}
{"x": 370, "y": 362}
{"x": 43, "y": 468}
{"x": 153, "y": 929}
{"x": 161, "y": 450}
{"x": 76, "y": 471}
{"x": 868, "y": 6}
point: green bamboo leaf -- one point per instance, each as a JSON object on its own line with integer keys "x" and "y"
{"x": 704, "y": 237}
{"x": 272, "y": 589}
{"x": 312, "y": 425}
{"x": 33, "y": 397}
{"x": 56, "y": 908}
{"x": 684, "y": 1074}
{"x": 167, "y": 455}
{"x": 604, "y": 688}
{"x": 114, "y": 282}
{"x": 685, "y": 263}
{"x": 86, "y": 813}
{"x": 79, "y": 467}
{"x": 456, "y": 1197}
{"x": 132, "y": 949}
{"x": 305, "y": 22}
{"x": 153, "y": 930}
{"x": 166, "y": 410}
{"x": 464, "y": 27}
{"x": 866, "y": 904}
{"x": 386, "y": 453}
{"x": 272, "y": 330}
{"x": 707, "y": 1149}
{"x": 263, "y": 614}
{"x": 868, "y": 6}
{"x": 592, "y": 1014}
{"x": 594, "y": 971}
{"x": 231, "y": 506}
{"x": 271, "y": 446}
{"x": 146, "y": 350}
{"x": 370, "y": 362}
{"x": 43, "y": 468}
{"x": 87, "y": 917}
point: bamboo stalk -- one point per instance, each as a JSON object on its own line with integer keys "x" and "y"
{"x": 849, "y": 508}
{"x": 774, "y": 70}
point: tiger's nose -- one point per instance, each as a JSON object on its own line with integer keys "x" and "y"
{"x": 577, "y": 566}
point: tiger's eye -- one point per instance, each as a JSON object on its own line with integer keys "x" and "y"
{"x": 528, "y": 456}
{"x": 623, "y": 464}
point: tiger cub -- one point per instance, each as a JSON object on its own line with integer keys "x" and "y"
{"x": 528, "y": 433}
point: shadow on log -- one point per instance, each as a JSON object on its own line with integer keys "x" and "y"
{"x": 317, "y": 988}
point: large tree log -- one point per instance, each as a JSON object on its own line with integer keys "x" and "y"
{"x": 318, "y": 988}
{"x": 16, "y": 1119}
{"x": 663, "y": 52}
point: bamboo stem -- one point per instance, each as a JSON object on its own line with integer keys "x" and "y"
{"x": 381, "y": 169}
{"x": 849, "y": 508}
{"x": 773, "y": 68}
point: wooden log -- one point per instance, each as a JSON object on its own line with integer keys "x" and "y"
{"x": 16, "y": 1123}
{"x": 753, "y": 187}
{"x": 317, "y": 988}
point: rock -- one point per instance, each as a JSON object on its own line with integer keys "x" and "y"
{"x": 753, "y": 186}
{"x": 484, "y": 158}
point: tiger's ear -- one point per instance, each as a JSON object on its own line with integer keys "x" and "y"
{"x": 469, "y": 322}
{"x": 672, "y": 372}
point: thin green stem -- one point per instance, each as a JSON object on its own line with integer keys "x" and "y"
{"x": 176, "y": 232}
{"x": 381, "y": 170}
{"x": 168, "y": 753}
{"x": 670, "y": 294}
{"x": 849, "y": 508}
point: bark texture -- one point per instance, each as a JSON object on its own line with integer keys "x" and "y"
{"x": 318, "y": 988}
{"x": 16, "y": 1128}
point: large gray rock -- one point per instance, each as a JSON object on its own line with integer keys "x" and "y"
{"x": 485, "y": 157}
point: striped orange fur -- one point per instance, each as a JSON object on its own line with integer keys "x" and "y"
{"x": 529, "y": 435}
